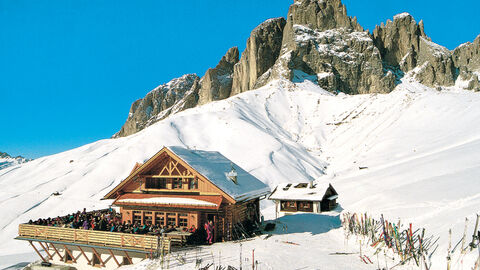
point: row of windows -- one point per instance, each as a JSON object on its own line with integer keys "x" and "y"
{"x": 294, "y": 206}
{"x": 159, "y": 218}
{"x": 176, "y": 183}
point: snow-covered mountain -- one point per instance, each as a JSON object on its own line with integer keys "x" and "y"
{"x": 421, "y": 147}
{"x": 6, "y": 160}
{"x": 318, "y": 41}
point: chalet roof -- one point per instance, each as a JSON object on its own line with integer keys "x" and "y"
{"x": 215, "y": 167}
{"x": 180, "y": 201}
{"x": 302, "y": 192}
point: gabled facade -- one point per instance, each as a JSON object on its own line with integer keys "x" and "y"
{"x": 180, "y": 187}
{"x": 303, "y": 197}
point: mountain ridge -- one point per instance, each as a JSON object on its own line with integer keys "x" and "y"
{"x": 319, "y": 41}
{"x": 6, "y": 160}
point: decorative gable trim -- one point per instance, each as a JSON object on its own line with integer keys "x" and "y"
{"x": 171, "y": 169}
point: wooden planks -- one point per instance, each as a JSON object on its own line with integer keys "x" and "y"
{"x": 101, "y": 238}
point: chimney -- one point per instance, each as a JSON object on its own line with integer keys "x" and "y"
{"x": 233, "y": 175}
{"x": 311, "y": 184}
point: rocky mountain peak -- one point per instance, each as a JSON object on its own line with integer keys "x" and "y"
{"x": 321, "y": 15}
{"x": 216, "y": 84}
{"x": 399, "y": 41}
{"x": 262, "y": 50}
{"x": 158, "y": 104}
{"x": 6, "y": 160}
{"x": 466, "y": 58}
{"x": 229, "y": 59}
{"x": 318, "y": 42}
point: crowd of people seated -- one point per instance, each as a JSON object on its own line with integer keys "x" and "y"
{"x": 104, "y": 220}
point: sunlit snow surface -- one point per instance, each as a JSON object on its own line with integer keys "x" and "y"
{"x": 421, "y": 147}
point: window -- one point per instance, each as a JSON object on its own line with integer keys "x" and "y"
{"x": 193, "y": 184}
{"x": 305, "y": 206}
{"x": 172, "y": 219}
{"x": 301, "y": 185}
{"x": 290, "y": 206}
{"x": 160, "y": 218}
{"x": 183, "y": 220}
{"x": 147, "y": 217}
{"x": 155, "y": 183}
{"x": 177, "y": 183}
{"x": 137, "y": 217}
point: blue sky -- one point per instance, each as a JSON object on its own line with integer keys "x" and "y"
{"x": 70, "y": 69}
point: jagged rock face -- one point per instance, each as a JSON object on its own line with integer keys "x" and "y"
{"x": 404, "y": 45}
{"x": 320, "y": 15}
{"x": 399, "y": 41}
{"x": 323, "y": 44}
{"x": 342, "y": 59}
{"x": 466, "y": 59}
{"x": 435, "y": 65}
{"x": 468, "y": 55}
{"x": 263, "y": 49}
{"x": 216, "y": 84}
{"x": 176, "y": 95}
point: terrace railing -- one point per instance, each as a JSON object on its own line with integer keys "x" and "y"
{"x": 97, "y": 238}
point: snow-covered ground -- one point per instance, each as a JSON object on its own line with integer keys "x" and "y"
{"x": 421, "y": 147}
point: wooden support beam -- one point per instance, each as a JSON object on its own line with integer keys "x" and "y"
{"x": 84, "y": 255}
{"x": 69, "y": 253}
{"x": 113, "y": 256}
{"x": 56, "y": 251}
{"x": 46, "y": 250}
{"x": 43, "y": 259}
{"x": 108, "y": 259}
{"x": 128, "y": 257}
{"x": 98, "y": 256}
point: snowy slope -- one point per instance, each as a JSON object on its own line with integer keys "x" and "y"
{"x": 421, "y": 147}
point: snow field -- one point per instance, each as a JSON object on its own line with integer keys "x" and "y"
{"x": 421, "y": 147}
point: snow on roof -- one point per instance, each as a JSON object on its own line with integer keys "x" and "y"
{"x": 290, "y": 191}
{"x": 168, "y": 200}
{"x": 215, "y": 167}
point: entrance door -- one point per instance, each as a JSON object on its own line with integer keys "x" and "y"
{"x": 213, "y": 219}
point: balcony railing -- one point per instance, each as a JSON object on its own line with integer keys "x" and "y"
{"x": 97, "y": 238}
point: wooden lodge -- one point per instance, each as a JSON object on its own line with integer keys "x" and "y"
{"x": 177, "y": 188}
{"x": 303, "y": 197}
{"x": 183, "y": 188}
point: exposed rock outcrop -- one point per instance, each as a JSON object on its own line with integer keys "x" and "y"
{"x": 468, "y": 55}
{"x": 263, "y": 49}
{"x": 399, "y": 41}
{"x": 216, "y": 84}
{"x": 466, "y": 59}
{"x": 404, "y": 45}
{"x": 322, "y": 43}
{"x": 435, "y": 65}
{"x": 176, "y": 95}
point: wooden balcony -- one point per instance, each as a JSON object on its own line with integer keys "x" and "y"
{"x": 145, "y": 243}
